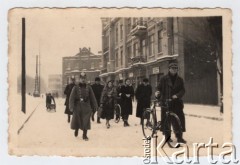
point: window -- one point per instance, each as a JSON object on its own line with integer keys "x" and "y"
{"x": 151, "y": 45}
{"x": 92, "y": 65}
{"x": 121, "y": 32}
{"x": 144, "y": 48}
{"x": 129, "y": 25}
{"x": 135, "y": 49}
{"x": 116, "y": 33}
{"x": 84, "y": 65}
{"x": 129, "y": 51}
{"x": 160, "y": 41}
{"x": 116, "y": 60}
{"x": 121, "y": 57}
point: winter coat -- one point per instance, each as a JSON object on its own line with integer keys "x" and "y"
{"x": 127, "y": 101}
{"x": 167, "y": 90}
{"x": 143, "y": 95}
{"x": 97, "y": 90}
{"x": 119, "y": 93}
{"x": 108, "y": 100}
{"x": 81, "y": 101}
{"x": 49, "y": 100}
{"x": 67, "y": 92}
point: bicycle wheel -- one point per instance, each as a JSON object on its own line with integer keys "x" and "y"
{"x": 148, "y": 123}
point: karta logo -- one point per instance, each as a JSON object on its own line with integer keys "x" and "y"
{"x": 152, "y": 151}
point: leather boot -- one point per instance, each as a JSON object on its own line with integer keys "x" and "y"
{"x": 168, "y": 138}
{"x": 85, "y": 135}
{"x": 180, "y": 138}
{"x": 124, "y": 124}
{"x": 76, "y": 133}
{"x": 69, "y": 118}
{"x": 93, "y": 116}
{"x": 98, "y": 120}
{"x": 127, "y": 124}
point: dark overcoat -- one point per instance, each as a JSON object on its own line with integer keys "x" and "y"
{"x": 143, "y": 95}
{"x": 167, "y": 90}
{"x": 127, "y": 101}
{"x": 108, "y": 100}
{"x": 119, "y": 93}
{"x": 81, "y": 102}
{"x": 97, "y": 90}
{"x": 67, "y": 92}
{"x": 49, "y": 100}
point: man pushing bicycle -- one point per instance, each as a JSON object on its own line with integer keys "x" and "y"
{"x": 170, "y": 92}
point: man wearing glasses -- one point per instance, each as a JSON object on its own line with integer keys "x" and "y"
{"x": 171, "y": 88}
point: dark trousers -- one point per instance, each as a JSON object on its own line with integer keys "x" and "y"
{"x": 125, "y": 117}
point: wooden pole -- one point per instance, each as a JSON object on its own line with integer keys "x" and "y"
{"x": 23, "y": 68}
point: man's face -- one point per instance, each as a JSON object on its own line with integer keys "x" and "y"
{"x": 110, "y": 84}
{"x": 128, "y": 82}
{"x": 145, "y": 83}
{"x": 72, "y": 81}
{"x": 83, "y": 80}
{"x": 173, "y": 70}
{"x": 97, "y": 82}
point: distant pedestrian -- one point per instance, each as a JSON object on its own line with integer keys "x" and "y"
{"x": 108, "y": 101}
{"x": 119, "y": 100}
{"x": 50, "y": 102}
{"x": 81, "y": 102}
{"x": 67, "y": 92}
{"x": 143, "y": 96}
{"x": 97, "y": 90}
{"x": 127, "y": 98}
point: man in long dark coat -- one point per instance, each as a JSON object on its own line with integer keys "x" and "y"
{"x": 67, "y": 92}
{"x": 119, "y": 100}
{"x": 81, "y": 102}
{"x": 127, "y": 98}
{"x": 143, "y": 95}
{"x": 97, "y": 90}
{"x": 172, "y": 87}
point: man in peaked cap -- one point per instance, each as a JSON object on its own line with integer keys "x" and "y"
{"x": 172, "y": 88}
{"x": 81, "y": 102}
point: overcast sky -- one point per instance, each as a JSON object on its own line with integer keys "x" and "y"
{"x": 54, "y": 34}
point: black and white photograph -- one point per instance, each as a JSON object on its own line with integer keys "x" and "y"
{"x": 90, "y": 82}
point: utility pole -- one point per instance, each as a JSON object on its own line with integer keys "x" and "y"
{"x": 23, "y": 67}
{"x": 39, "y": 79}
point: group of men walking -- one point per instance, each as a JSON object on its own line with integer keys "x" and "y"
{"x": 84, "y": 100}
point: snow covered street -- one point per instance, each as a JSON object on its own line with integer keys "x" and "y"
{"x": 49, "y": 131}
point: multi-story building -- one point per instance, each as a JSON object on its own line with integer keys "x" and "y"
{"x": 136, "y": 48}
{"x": 55, "y": 84}
{"x": 85, "y": 61}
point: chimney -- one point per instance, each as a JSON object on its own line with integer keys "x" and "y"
{"x": 89, "y": 49}
{"x": 80, "y": 50}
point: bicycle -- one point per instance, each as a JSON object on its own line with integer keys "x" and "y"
{"x": 153, "y": 125}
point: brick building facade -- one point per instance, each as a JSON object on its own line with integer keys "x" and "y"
{"x": 136, "y": 48}
{"x": 85, "y": 61}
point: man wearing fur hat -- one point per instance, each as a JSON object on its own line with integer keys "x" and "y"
{"x": 172, "y": 87}
{"x": 81, "y": 102}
